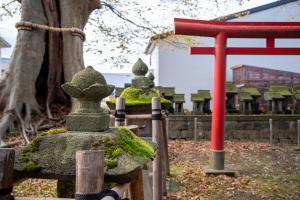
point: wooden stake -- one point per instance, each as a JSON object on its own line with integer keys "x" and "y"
{"x": 195, "y": 129}
{"x": 156, "y": 138}
{"x": 7, "y": 158}
{"x": 136, "y": 189}
{"x": 166, "y": 144}
{"x": 89, "y": 172}
{"x": 271, "y": 132}
{"x": 298, "y": 135}
{"x": 120, "y": 112}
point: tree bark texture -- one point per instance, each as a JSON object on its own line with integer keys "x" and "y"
{"x": 42, "y": 61}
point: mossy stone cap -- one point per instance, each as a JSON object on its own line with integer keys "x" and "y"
{"x": 140, "y": 68}
{"x": 88, "y": 77}
{"x": 88, "y": 84}
{"x": 151, "y": 76}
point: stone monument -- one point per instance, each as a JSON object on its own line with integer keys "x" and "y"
{"x": 51, "y": 154}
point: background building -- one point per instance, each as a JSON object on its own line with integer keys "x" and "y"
{"x": 262, "y": 78}
{"x": 173, "y": 66}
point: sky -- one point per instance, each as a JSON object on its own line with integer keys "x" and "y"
{"x": 8, "y": 31}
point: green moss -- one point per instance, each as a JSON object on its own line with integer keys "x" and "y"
{"x": 31, "y": 166}
{"x": 112, "y": 151}
{"x": 110, "y": 164}
{"x": 132, "y": 144}
{"x": 34, "y": 146}
{"x": 56, "y": 131}
{"x": 138, "y": 97}
{"x": 95, "y": 145}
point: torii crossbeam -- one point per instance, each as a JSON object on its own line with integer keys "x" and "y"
{"x": 221, "y": 31}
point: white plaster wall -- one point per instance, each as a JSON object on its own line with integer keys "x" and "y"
{"x": 188, "y": 73}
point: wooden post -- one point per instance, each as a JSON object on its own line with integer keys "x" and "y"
{"x": 271, "y": 131}
{"x": 167, "y": 127}
{"x": 298, "y": 135}
{"x": 164, "y": 157}
{"x": 120, "y": 112}
{"x": 136, "y": 188}
{"x": 166, "y": 139}
{"x": 89, "y": 173}
{"x": 195, "y": 128}
{"x": 156, "y": 138}
{"x": 7, "y": 158}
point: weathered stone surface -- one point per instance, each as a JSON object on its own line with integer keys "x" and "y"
{"x": 55, "y": 157}
{"x": 89, "y": 87}
{"x": 92, "y": 122}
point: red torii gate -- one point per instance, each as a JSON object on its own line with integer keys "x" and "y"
{"x": 221, "y": 31}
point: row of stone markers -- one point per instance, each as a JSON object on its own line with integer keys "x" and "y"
{"x": 103, "y": 153}
{"x": 278, "y": 99}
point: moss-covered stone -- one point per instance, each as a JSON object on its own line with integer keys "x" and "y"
{"x": 134, "y": 145}
{"x": 139, "y": 97}
{"x": 55, "y": 155}
{"x": 31, "y": 166}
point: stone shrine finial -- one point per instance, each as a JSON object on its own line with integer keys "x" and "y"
{"x": 151, "y": 79}
{"x": 89, "y": 88}
{"x": 139, "y": 70}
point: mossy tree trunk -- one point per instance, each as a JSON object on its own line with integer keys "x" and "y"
{"x": 41, "y": 62}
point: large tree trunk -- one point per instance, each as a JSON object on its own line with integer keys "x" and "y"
{"x": 42, "y": 61}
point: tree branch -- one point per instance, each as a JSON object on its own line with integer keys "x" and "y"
{"x": 120, "y": 15}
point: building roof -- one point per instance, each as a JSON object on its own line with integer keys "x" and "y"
{"x": 201, "y": 95}
{"x": 245, "y": 96}
{"x": 231, "y": 87}
{"x": 268, "y": 96}
{"x": 4, "y": 43}
{"x": 252, "y": 91}
{"x": 251, "y": 66}
{"x": 167, "y": 91}
{"x": 178, "y": 98}
{"x": 281, "y": 89}
{"x": 205, "y": 93}
{"x": 253, "y": 10}
{"x": 166, "y": 34}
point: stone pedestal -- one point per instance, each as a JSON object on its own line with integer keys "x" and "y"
{"x": 89, "y": 122}
{"x": 216, "y": 164}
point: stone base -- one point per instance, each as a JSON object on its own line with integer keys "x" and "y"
{"x": 89, "y": 123}
{"x": 216, "y": 160}
{"x": 208, "y": 171}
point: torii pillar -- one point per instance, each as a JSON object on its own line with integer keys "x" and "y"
{"x": 221, "y": 31}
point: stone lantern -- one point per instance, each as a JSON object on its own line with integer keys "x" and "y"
{"x": 89, "y": 88}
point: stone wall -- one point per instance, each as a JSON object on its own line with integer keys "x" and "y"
{"x": 237, "y": 127}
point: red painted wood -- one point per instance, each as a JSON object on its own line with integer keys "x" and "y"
{"x": 238, "y": 29}
{"x": 270, "y": 42}
{"x": 218, "y": 118}
{"x": 221, "y": 31}
{"x": 247, "y": 51}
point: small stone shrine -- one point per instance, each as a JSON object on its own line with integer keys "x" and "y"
{"x": 249, "y": 100}
{"x": 51, "y": 154}
{"x": 178, "y": 101}
{"x": 278, "y": 98}
{"x": 231, "y": 96}
{"x": 201, "y": 102}
{"x": 138, "y": 97}
{"x": 167, "y": 92}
